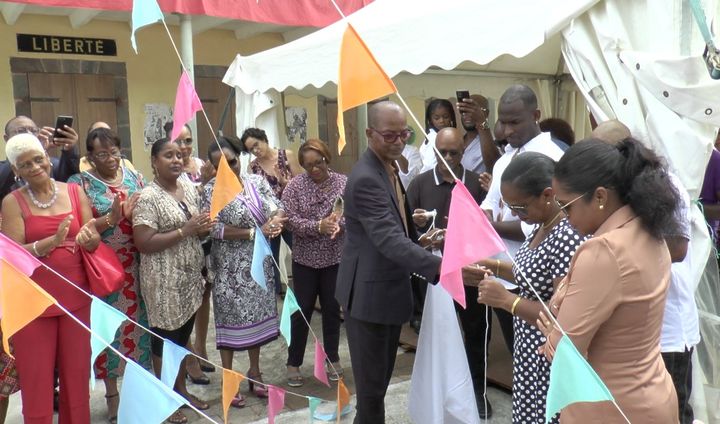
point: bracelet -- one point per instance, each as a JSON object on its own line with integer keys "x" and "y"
{"x": 320, "y": 226}
{"x": 514, "y": 305}
{"x": 251, "y": 236}
{"x": 34, "y": 248}
{"x": 107, "y": 221}
{"x": 497, "y": 268}
{"x": 180, "y": 231}
{"x": 484, "y": 125}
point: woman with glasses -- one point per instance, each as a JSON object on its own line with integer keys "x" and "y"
{"x": 277, "y": 166}
{"x": 52, "y": 221}
{"x": 191, "y": 164}
{"x": 168, "y": 227}
{"x": 542, "y": 260}
{"x": 113, "y": 191}
{"x": 245, "y": 313}
{"x": 314, "y": 207}
{"x": 612, "y": 301}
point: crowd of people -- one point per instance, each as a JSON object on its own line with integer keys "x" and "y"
{"x": 598, "y": 230}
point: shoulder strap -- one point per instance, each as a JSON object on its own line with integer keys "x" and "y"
{"x": 24, "y": 207}
{"x": 75, "y": 200}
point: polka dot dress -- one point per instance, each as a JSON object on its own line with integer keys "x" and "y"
{"x": 531, "y": 371}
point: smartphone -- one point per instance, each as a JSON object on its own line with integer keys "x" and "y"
{"x": 60, "y": 123}
{"x": 461, "y": 95}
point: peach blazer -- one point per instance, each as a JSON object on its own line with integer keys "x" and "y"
{"x": 611, "y": 304}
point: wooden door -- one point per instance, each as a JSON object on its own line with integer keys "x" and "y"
{"x": 213, "y": 95}
{"x": 345, "y": 161}
{"x": 87, "y": 98}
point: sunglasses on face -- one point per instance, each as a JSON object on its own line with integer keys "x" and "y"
{"x": 391, "y": 136}
{"x": 451, "y": 153}
{"x": 564, "y": 207}
{"x": 185, "y": 141}
{"x": 520, "y": 210}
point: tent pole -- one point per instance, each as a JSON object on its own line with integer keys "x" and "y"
{"x": 361, "y": 126}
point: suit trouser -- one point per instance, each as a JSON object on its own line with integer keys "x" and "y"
{"x": 373, "y": 348}
{"x": 679, "y": 366}
{"x": 44, "y": 345}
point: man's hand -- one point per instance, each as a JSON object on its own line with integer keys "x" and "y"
{"x": 67, "y": 139}
{"x": 474, "y": 274}
{"x": 419, "y": 217}
{"x": 485, "y": 181}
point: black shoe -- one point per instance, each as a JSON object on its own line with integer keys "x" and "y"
{"x": 484, "y": 413}
{"x": 415, "y": 324}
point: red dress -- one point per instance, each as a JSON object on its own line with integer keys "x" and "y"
{"x": 54, "y": 339}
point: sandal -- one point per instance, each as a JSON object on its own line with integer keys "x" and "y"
{"x": 195, "y": 401}
{"x": 238, "y": 401}
{"x": 113, "y": 402}
{"x": 177, "y": 418}
{"x": 200, "y": 379}
{"x": 294, "y": 378}
{"x": 335, "y": 372}
{"x": 258, "y": 389}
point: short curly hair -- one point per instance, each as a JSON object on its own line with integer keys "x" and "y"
{"x": 254, "y": 133}
{"x": 20, "y": 144}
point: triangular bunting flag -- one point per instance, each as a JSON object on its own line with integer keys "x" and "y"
{"x": 343, "y": 398}
{"x": 226, "y": 189}
{"x": 21, "y": 301}
{"x": 104, "y": 322}
{"x": 17, "y": 256}
{"x": 144, "y": 399}
{"x": 470, "y": 237}
{"x": 290, "y": 306}
{"x": 276, "y": 401}
{"x": 320, "y": 358}
{"x": 572, "y": 380}
{"x": 261, "y": 250}
{"x": 231, "y": 385}
{"x": 361, "y": 78}
{"x": 187, "y": 103}
{"x": 313, "y": 403}
{"x": 171, "y": 360}
{"x": 144, "y": 12}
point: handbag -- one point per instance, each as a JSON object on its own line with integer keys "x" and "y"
{"x": 105, "y": 273}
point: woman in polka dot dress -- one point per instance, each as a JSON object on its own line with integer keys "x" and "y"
{"x": 542, "y": 261}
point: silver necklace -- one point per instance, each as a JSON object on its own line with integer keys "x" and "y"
{"x": 38, "y": 203}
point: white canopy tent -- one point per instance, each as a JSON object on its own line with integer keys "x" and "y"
{"x": 637, "y": 61}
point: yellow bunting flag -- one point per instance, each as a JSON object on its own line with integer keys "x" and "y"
{"x": 361, "y": 78}
{"x": 343, "y": 398}
{"x": 227, "y": 187}
{"x": 231, "y": 385}
{"x": 21, "y": 300}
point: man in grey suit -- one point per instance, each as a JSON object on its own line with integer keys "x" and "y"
{"x": 379, "y": 255}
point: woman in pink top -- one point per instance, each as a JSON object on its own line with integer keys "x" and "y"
{"x": 611, "y": 302}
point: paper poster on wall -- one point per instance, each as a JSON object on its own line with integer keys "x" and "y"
{"x": 156, "y": 115}
{"x": 296, "y": 124}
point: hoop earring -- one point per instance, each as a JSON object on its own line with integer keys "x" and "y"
{"x": 601, "y": 206}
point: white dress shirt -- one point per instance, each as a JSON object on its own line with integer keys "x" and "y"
{"x": 415, "y": 164}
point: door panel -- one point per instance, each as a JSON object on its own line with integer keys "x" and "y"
{"x": 95, "y": 102}
{"x": 213, "y": 95}
{"x": 349, "y": 156}
{"x": 51, "y": 95}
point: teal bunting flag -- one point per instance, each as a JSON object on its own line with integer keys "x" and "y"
{"x": 572, "y": 380}
{"x": 261, "y": 250}
{"x": 171, "y": 360}
{"x": 290, "y": 306}
{"x": 313, "y": 403}
{"x": 144, "y": 399}
{"x": 104, "y": 322}
{"x": 144, "y": 12}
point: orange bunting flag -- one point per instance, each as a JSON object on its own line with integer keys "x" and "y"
{"x": 361, "y": 78}
{"x": 343, "y": 398}
{"x": 21, "y": 300}
{"x": 227, "y": 187}
{"x": 231, "y": 385}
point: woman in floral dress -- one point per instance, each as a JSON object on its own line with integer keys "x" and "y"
{"x": 113, "y": 190}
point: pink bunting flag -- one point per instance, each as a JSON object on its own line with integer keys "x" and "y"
{"x": 17, "y": 256}
{"x": 187, "y": 103}
{"x": 320, "y": 358}
{"x": 469, "y": 238}
{"x": 276, "y": 401}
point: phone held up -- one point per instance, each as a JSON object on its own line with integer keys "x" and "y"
{"x": 60, "y": 124}
{"x": 461, "y": 95}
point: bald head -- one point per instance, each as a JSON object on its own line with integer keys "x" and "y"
{"x": 520, "y": 92}
{"x": 381, "y": 109}
{"x": 451, "y": 138}
{"x": 611, "y": 132}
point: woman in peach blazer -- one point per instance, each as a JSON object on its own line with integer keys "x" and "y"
{"x": 611, "y": 303}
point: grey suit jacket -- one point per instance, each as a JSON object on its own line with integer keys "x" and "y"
{"x": 378, "y": 258}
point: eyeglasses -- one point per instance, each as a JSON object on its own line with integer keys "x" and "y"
{"x": 452, "y": 153}
{"x": 30, "y": 164}
{"x": 186, "y": 141}
{"x": 103, "y": 156}
{"x": 564, "y": 208}
{"x": 520, "y": 210}
{"x": 391, "y": 136}
{"x": 320, "y": 164}
{"x": 23, "y": 130}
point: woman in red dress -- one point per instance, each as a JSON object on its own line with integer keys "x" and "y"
{"x": 52, "y": 220}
